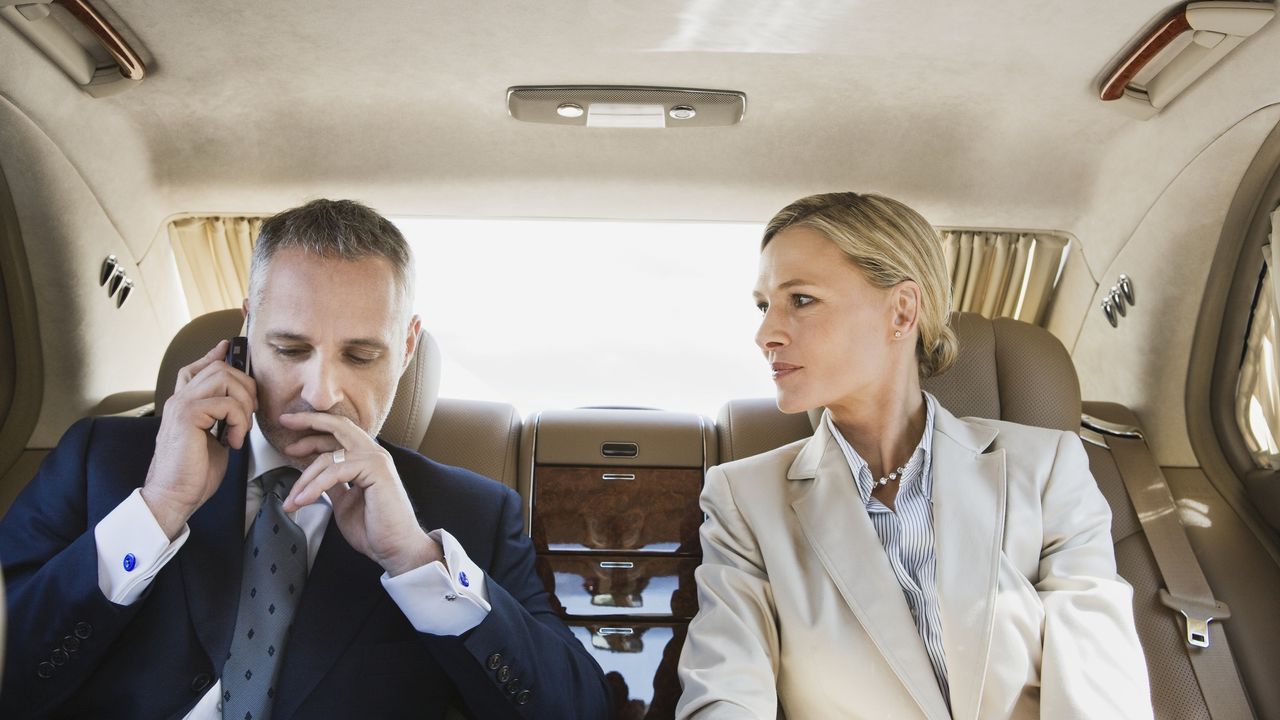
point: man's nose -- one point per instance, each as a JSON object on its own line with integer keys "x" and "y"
{"x": 322, "y": 389}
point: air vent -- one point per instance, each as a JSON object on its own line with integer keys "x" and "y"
{"x": 111, "y": 276}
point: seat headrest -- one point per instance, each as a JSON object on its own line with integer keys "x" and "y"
{"x": 411, "y": 410}
{"x": 1008, "y": 370}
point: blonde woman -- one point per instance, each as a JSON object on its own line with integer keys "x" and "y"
{"x": 902, "y": 562}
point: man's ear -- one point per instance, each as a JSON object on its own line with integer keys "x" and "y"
{"x": 411, "y": 341}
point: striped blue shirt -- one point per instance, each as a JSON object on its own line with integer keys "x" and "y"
{"x": 906, "y": 532}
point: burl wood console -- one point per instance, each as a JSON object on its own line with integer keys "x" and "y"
{"x": 614, "y": 518}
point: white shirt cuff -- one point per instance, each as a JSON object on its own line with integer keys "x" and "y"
{"x": 132, "y": 548}
{"x": 442, "y": 598}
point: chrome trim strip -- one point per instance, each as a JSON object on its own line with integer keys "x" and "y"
{"x": 1109, "y": 428}
{"x": 533, "y": 464}
{"x": 702, "y": 428}
{"x": 1093, "y": 437}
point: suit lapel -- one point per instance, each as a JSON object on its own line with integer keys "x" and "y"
{"x": 851, "y": 552}
{"x": 211, "y": 561}
{"x": 968, "y": 521}
{"x": 342, "y": 588}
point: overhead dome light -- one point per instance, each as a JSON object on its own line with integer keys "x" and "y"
{"x": 569, "y": 110}
{"x": 624, "y": 106}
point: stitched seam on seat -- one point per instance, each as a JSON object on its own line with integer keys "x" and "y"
{"x": 729, "y": 422}
{"x": 513, "y": 443}
{"x": 995, "y": 354}
{"x": 414, "y": 400}
{"x": 419, "y": 371}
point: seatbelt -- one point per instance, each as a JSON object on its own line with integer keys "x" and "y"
{"x": 1186, "y": 590}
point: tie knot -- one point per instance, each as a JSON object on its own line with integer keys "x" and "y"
{"x": 279, "y": 481}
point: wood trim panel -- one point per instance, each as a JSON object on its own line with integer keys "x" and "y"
{"x": 1133, "y": 63}
{"x": 590, "y": 585}
{"x": 639, "y": 661}
{"x": 615, "y": 509}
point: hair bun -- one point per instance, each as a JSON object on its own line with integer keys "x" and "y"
{"x": 942, "y": 355}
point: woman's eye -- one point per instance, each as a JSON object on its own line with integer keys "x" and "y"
{"x": 763, "y": 307}
{"x": 801, "y": 300}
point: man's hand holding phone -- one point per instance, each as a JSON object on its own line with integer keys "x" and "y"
{"x": 189, "y": 460}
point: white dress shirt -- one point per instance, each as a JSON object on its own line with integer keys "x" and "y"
{"x": 132, "y": 549}
{"x": 906, "y": 533}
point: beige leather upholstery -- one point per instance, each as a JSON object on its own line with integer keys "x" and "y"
{"x": 411, "y": 410}
{"x": 1236, "y": 565}
{"x": 481, "y": 436}
{"x": 1174, "y": 689}
{"x": 416, "y": 396}
{"x": 1007, "y": 370}
{"x": 662, "y": 439}
{"x": 753, "y": 426}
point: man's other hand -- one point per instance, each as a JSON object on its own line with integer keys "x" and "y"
{"x": 369, "y": 500}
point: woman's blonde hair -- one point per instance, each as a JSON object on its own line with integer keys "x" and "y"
{"x": 890, "y": 243}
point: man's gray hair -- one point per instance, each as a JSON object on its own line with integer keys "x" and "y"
{"x": 336, "y": 230}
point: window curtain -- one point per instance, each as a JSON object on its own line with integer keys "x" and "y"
{"x": 1258, "y": 388}
{"x": 213, "y": 255}
{"x": 1002, "y": 274}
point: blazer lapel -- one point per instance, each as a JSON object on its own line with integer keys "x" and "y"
{"x": 968, "y": 522}
{"x": 835, "y": 523}
{"x": 211, "y": 560}
{"x": 342, "y": 588}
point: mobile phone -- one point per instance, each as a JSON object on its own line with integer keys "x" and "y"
{"x": 238, "y": 358}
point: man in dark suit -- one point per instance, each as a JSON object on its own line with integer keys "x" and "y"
{"x": 155, "y": 572}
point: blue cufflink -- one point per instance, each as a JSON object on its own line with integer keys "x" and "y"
{"x": 130, "y": 562}
{"x": 462, "y": 578}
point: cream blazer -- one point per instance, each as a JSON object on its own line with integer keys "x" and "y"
{"x": 800, "y": 612}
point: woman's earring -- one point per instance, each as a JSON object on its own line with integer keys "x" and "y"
{"x": 897, "y": 333}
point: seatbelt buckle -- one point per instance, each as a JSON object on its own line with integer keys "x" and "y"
{"x": 1198, "y": 616}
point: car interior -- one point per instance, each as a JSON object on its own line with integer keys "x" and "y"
{"x": 1105, "y": 178}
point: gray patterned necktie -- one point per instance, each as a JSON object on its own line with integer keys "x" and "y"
{"x": 275, "y": 568}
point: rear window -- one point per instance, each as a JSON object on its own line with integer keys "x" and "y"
{"x": 561, "y": 314}
{"x": 571, "y": 313}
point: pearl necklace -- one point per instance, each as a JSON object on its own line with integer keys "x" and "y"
{"x": 884, "y": 480}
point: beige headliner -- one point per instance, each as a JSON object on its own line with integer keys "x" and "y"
{"x": 980, "y": 113}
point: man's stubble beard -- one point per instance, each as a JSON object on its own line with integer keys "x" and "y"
{"x": 281, "y": 437}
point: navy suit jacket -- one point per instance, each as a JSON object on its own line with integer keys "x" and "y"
{"x": 352, "y": 652}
